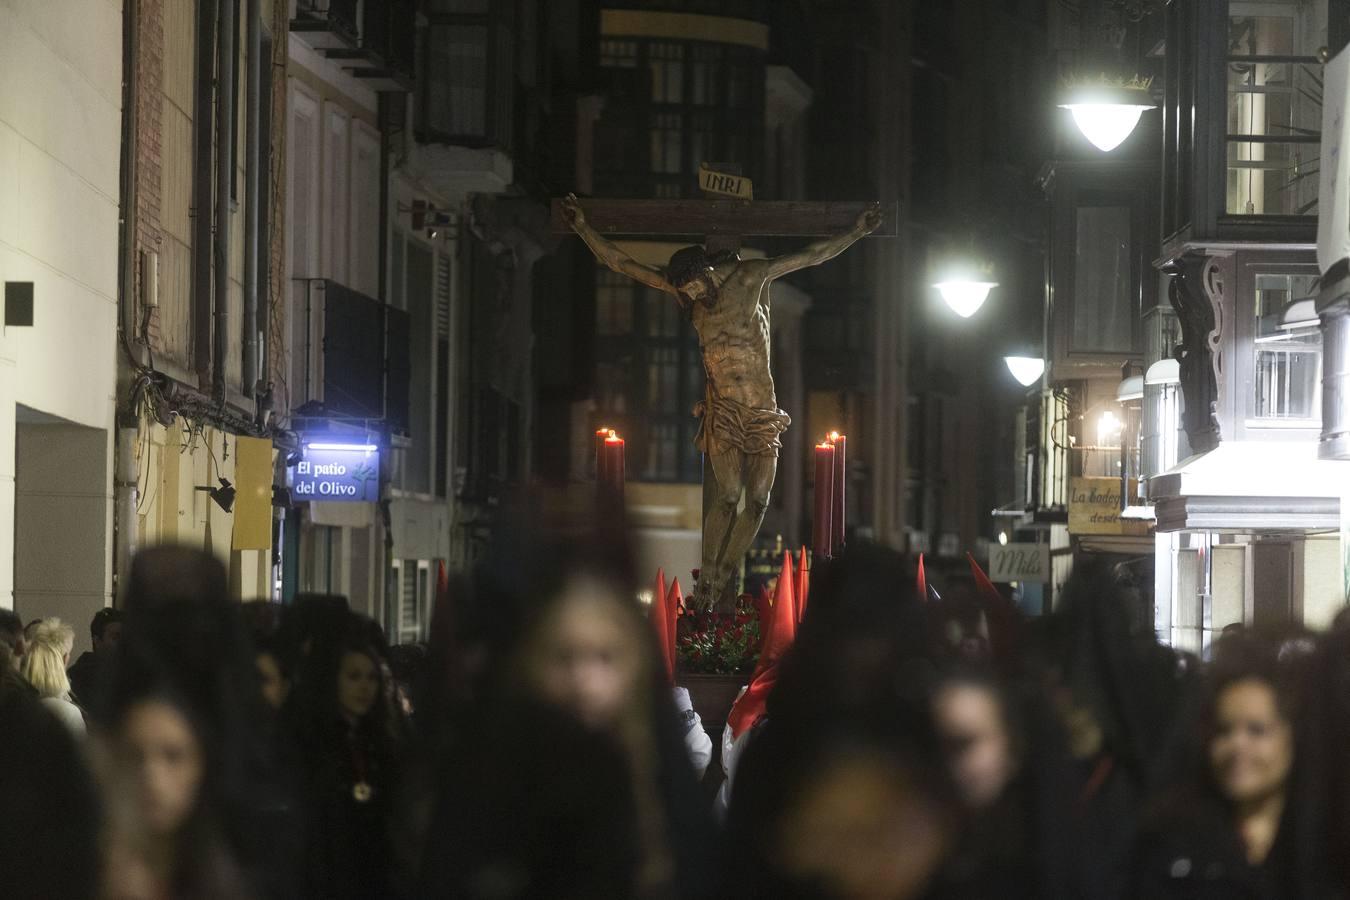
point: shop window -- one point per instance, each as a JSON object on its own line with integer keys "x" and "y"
{"x": 1274, "y": 106}
{"x": 1288, "y": 352}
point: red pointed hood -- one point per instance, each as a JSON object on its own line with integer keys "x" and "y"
{"x": 674, "y": 603}
{"x": 1002, "y": 616}
{"x": 803, "y": 584}
{"x": 779, "y": 637}
{"x": 923, "y": 582}
{"x": 658, "y": 615}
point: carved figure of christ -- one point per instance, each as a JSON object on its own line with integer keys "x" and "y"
{"x": 727, "y": 299}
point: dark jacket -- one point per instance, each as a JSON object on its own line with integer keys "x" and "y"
{"x": 85, "y": 676}
{"x": 352, "y": 780}
{"x": 1194, "y": 852}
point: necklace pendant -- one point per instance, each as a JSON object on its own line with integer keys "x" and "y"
{"x": 361, "y": 792}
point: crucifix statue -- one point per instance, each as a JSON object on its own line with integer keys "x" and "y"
{"x": 727, "y": 299}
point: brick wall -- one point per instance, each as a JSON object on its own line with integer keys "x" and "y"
{"x": 276, "y": 302}
{"x": 148, "y": 104}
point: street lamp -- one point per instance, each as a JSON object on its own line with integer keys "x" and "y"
{"x": 1026, "y": 369}
{"x": 965, "y": 296}
{"x": 1106, "y": 111}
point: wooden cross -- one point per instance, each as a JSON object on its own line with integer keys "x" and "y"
{"x": 722, "y": 219}
{"x": 720, "y": 224}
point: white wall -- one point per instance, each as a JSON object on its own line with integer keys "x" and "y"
{"x": 60, "y": 140}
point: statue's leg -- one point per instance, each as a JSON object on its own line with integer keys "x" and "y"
{"x": 759, "y": 475}
{"x": 717, "y": 522}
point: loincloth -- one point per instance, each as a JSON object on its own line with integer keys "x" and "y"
{"x": 731, "y": 424}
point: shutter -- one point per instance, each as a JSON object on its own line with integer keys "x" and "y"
{"x": 407, "y": 606}
{"x": 443, "y": 295}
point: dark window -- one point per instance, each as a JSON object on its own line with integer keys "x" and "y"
{"x": 1103, "y": 314}
{"x": 467, "y": 89}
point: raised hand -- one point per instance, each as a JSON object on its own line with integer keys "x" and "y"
{"x": 869, "y": 220}
{"x": 572, "y": 207}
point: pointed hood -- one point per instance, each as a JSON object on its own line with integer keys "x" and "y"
{"x": 1002, "y": 616}
{"x": 777, "y": 639}
{"x": 658, "y": 615}
{"x": 674, "y": 603}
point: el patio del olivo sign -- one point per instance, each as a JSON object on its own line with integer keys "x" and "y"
{"x": 341, "y": 472}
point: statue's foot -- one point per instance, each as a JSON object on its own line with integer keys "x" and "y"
{"x": 703, "y": 596}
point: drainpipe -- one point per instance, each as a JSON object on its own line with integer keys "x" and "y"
{"x": 253, "y": 114}
{"x": 201, "y": 191}
{"x": 1333, "y": 307}
{"x": 128, "y": 498}
{"x": 225, "y": 42}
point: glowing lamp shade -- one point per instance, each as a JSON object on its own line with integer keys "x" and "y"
{"x": 1106, "y": 125}
{"x": 965, "y": 297}
{"x": 1026, "y": 369}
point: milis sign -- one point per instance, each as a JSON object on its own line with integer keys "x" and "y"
{"x": 342, "y": 472}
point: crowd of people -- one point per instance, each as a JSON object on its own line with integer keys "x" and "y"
{"x": 910, "y": 747}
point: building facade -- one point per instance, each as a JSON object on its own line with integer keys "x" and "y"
{"x": 60, "y": 167}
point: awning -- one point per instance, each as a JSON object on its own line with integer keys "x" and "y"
{"x": 1251, "y": 486}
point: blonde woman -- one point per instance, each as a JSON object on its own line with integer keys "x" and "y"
{"x": 44, "y": 665}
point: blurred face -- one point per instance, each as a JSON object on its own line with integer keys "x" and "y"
{"x": 979, "y": 752}
{"x": 358, "y": 685}
{"x": 112, "y": 636}
{"x": 166, "y": 759}
{"x": 19, "y": 643}
{"x": 862, "y": 830}
{"x": 585, "y": 660}
{"x": 275, "y": 686}
{"x": 1252, "y": 749}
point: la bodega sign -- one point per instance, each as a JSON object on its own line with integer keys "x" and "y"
{"x": 337, "y": 472}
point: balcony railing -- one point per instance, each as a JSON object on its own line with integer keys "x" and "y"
{"x": 374, "y": 40}
{"x": 353, "y": 364}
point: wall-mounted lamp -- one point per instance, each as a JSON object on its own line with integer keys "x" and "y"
{"x": 223, "y": 495}
{"x": 1026, "y": 369}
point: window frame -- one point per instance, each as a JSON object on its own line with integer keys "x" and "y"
{"x": 1242, "y": 380}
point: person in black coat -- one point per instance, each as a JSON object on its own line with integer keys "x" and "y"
{"x": 350, "y": 763}
{"x": 567, "y": 775}
{"x": 1238, "y": 826}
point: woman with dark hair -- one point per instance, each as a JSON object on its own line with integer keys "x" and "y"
{"x": 984, "y": 736}
{"x": 1234, "y": 828}
{"x": 576, "y": 783}
{"x": 184, "y": 646}
{"x": 846, "y": 748}
{"x": 166, "y": 836}
{"x": 350, "y": 758}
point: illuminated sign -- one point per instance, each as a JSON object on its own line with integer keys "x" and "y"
{"x": 344, "y": 472}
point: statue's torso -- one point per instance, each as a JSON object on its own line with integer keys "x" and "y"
{"x": 734, "y": 336}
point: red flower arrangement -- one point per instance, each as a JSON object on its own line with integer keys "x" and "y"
{"x": 713, "y": 643}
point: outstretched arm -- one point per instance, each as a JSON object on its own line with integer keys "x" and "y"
{"x": 609, "y": 254}
{"x": 820, "y": 251}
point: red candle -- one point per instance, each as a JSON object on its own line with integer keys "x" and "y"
{"x": 614, "y": 466}
{"x": 840, "y": 443}
{"x": 822, "y": 531}
{"x": 600, "y": 436}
